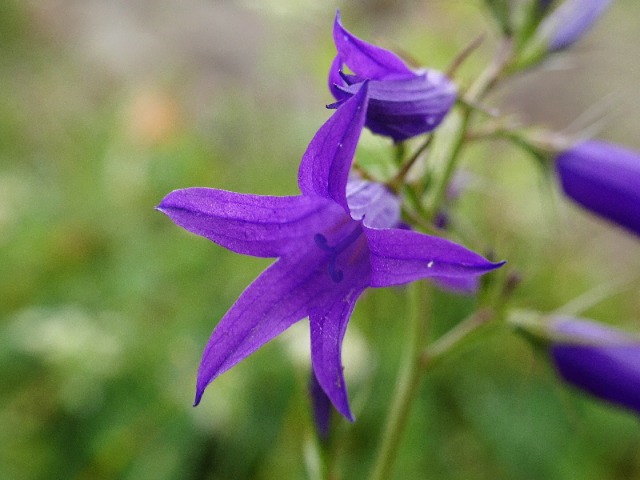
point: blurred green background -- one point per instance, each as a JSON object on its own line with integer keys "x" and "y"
{"x": 105, "y": 305}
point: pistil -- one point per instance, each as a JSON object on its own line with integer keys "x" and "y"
{"x": 321, "y": 241}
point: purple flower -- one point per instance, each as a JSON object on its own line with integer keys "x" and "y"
{"x": 567, "y": 23}
{"x": 402, "y": 102}
{"x": 600, "y": 360}
{"x": 605, "y": 179}
{"x": 331, "y": 243}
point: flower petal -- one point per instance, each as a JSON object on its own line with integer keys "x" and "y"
{"x": 373, "y": 203}
{"x": 335, "y": 79}
{"x": 402, "y": 256}
{"x": 366, "y": 59}
{"x": 328, "y": 325}
{"x": 261, "y": 226}
{"x": 405, "y": 108}
{"x": 429, "y": 94}
{"x": 321, "y": 407}
{"x": 279, "y": 297}
{"x": 325, "y": 165}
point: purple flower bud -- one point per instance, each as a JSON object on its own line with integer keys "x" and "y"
{"x": 402, "y": 102}
{"x": 600, "y": 360}
{"x": 605, "y": 179}
{"x": 570, "y": 21}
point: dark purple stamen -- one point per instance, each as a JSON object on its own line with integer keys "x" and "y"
{"x": 321, "y": 241}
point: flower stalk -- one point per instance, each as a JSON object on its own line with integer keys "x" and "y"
{"x": 460, "y": 123}
{"x": 407, "y": 383}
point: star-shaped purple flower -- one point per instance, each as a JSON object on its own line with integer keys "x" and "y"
{"x": 600, "y": 360}
{"x": 402, "y": 102}
{"x": 332, "y": 242}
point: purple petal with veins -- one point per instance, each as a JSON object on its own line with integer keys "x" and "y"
{"x": 339, "y": 237}
{"x": 403, "y": 102}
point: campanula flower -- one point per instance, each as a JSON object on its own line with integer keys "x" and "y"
{"x": 331, "y": 243}
{"x": 605, "y": 179}
{"x": 402, "y": 102}
{"x": 570, "y": 21}
{"x": 600, "y": 360}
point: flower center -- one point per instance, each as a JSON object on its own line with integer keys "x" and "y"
{"x": 321, "y": 241}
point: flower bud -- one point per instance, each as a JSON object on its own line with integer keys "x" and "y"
{"x": 603, "y": 178}
{"x": 600, "y": 360}
{"x": 570, "y": 21}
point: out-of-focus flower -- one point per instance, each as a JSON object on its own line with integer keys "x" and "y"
{"x": 605, "y": 179}
{"x": 600, "y": 360}
{"x": 570, "y": 21}
{"x": 332, "y": 242}
{"x": 402, "y": 102}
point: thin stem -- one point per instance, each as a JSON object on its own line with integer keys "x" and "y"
{"x": 417, "y": 220}
{"x": 456, "y": 337}
{"x": 478, "y": 89}
{"x": 363, "y": 173}
{"x": 492, "y": 73}
{"x": 407, "y": 385}
{"x": 464, "y": 54}
{"x": 594, "y": 296}
{"x": 396, "y": 182}
{"x": 399, "y": 151}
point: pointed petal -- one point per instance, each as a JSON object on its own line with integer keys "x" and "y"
{"x": 429, "y": 94}
{"x": 335, "y": 79}
{"x": 256, "y": 225}
{"x": 279, "y": 297}
{"x": 402, "y": 256}
{"x": 325, "y": 165}
{"x": 328, "y": 326}
{"x": 405, "y": 108}
{"x": 321, "y": 407}
{"x": 365, "y": 59}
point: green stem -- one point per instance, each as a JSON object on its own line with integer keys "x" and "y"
{"x": 438, "y": 194}
{"x": 456, "y": 337}
{"x": 398, "y": 180}
{"x": 407, "y": 385}
{"x": 418, "y": 359}
{"x": 478, "y": 89}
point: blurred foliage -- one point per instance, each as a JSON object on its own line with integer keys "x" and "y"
{"x": 106, "y": 305}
